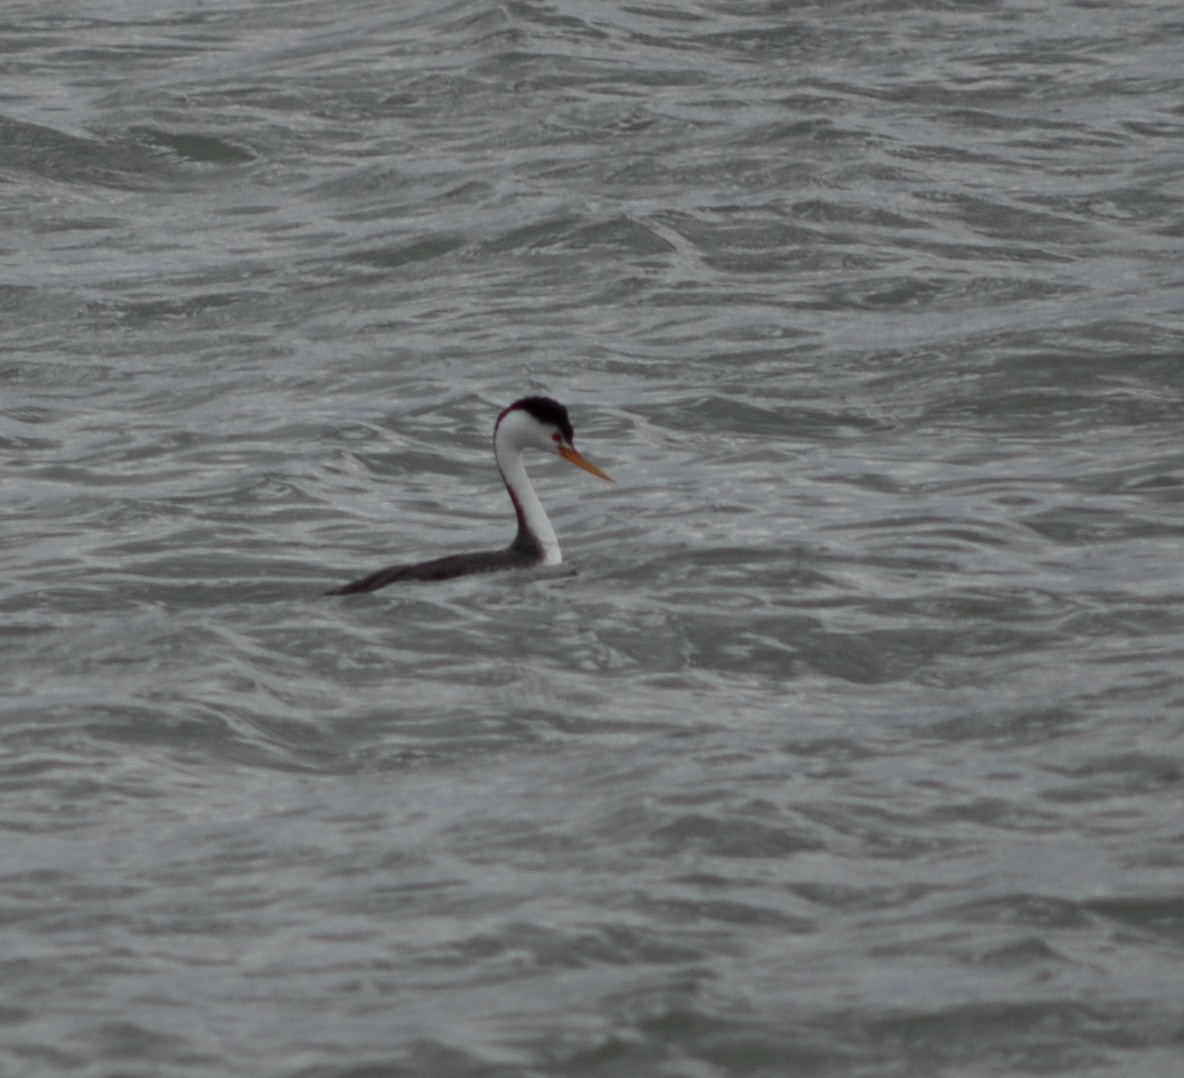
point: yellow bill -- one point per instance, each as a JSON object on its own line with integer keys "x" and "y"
{"x": 578, "y": 459}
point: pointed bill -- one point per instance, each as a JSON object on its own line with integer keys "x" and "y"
{"x": 578, "y": 459}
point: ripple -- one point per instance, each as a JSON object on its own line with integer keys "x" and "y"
{"x": 845, "y": 738}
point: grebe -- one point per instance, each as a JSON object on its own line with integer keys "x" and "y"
{"x": 529, "y": 423}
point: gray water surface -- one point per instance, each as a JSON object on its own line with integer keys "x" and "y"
{"x": 849, "y": 739}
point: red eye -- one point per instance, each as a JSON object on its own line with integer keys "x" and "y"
{"x": 556, "y": 438}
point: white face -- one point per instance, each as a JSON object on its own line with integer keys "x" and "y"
{"x": 522, "y": 430}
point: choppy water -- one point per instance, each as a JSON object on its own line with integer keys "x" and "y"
{"x": 854, "y": 745}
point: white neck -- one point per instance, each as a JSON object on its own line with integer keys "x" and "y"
{"x": 507, "y": 449}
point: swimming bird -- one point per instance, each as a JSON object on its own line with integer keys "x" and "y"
{"x": 529, "y": 423}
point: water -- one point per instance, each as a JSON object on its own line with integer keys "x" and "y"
{"x": 849, "y": 740}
